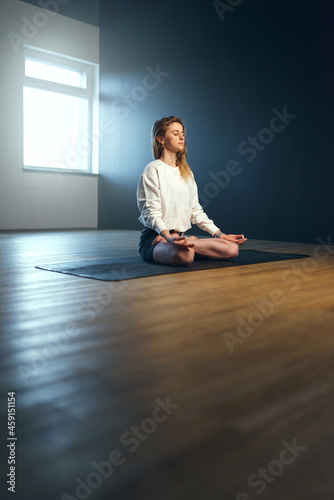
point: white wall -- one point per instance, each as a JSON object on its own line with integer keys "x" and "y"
{"x": 30, "y": 199}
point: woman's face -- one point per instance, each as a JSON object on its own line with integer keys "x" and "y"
{"x": 174, "y": 139}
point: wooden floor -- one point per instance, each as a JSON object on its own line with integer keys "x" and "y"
{"x": 208, "y": 385}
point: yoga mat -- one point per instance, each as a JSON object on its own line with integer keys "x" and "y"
{"x": 124, "y": 268}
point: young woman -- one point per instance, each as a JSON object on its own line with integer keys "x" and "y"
{"x": 167, "y": 199}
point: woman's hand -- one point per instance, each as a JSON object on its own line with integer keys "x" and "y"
{"x": 239, "y": 239}
{"x": 180, "y": 242}
{"x": 175, "y": 240}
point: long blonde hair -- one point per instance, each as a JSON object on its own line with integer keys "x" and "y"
{"x": 159, "y": 129}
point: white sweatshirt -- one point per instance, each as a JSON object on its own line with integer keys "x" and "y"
{"x": 166, "y": 201}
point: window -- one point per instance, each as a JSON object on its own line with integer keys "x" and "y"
{"x": 60, "y": 112}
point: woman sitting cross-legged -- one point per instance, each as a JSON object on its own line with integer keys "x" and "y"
{"x": 167, "y": 199}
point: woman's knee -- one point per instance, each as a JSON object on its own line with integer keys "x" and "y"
{"x": 233, "y": 250}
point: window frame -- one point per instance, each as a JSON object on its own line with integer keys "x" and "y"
{"x": 90, "y": 93}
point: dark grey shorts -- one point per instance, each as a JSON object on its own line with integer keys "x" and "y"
{"x": 147, "y": 236}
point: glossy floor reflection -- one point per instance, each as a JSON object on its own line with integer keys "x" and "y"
{"x": 168, "y": 387}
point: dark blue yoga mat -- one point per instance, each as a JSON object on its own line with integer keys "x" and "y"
{"x": 124, "y": 268}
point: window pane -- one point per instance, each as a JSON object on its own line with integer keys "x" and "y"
{"x": 55, "y": 130}
{"x": 52, "y": 73}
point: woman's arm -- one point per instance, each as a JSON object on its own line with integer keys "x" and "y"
{"x": 239, "y": 239}
{"x": 198, "y": 216}
{"x": 149, "y": 200}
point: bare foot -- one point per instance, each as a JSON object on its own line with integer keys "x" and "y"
{"x": 157, "y": 239}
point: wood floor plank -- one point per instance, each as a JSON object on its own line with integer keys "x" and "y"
{"x": 243, "y": 354}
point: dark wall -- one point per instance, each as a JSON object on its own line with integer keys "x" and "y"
{"x": 254, "y": 85}
{"x": 86, "y": 11}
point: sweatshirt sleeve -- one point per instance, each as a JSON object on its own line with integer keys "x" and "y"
{"x": 198, "y": 216}
{"x": 149, "y": 200}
